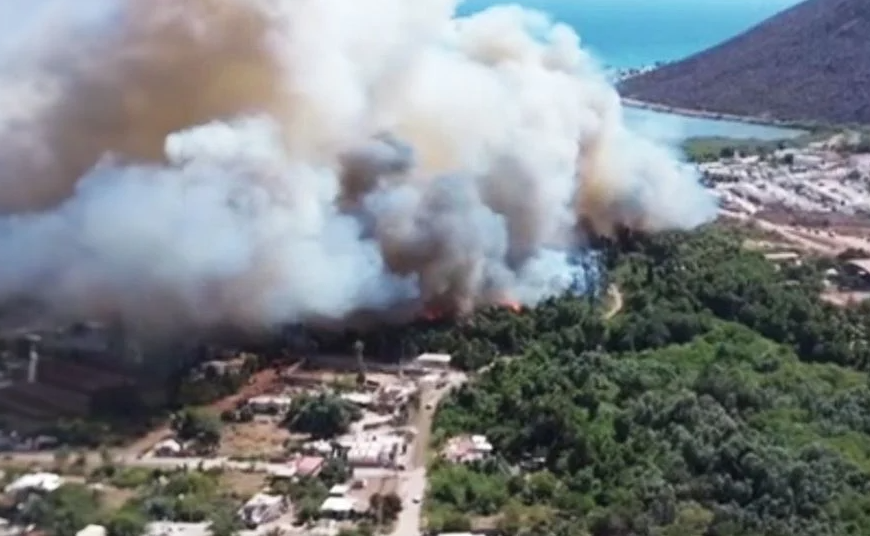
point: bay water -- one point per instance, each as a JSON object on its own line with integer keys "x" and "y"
{"x": 638, "y": 33}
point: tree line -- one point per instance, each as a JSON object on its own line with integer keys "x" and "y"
{"x": 724, "y": 400}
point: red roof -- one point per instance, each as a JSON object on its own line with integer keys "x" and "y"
{"x": 309, "y": 465}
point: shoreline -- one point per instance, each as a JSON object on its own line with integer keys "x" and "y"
{"x": 716, "y": 116}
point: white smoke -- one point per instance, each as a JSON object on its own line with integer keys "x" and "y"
{"x": 255, "y": 162}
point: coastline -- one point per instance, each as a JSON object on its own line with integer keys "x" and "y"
{"x": 717, "y": 116}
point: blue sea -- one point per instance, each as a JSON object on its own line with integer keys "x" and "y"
{"x": 637, "y": 33}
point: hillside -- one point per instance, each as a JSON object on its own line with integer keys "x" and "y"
{"x": 723, "y": 399}
{"x": 809, "y": 63}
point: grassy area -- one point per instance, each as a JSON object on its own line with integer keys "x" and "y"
{"x": 708, "y": 148}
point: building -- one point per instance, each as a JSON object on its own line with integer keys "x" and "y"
{"x": 270, "y": 405}
{"x": 389, "y": 398}
{"x": 309, "y": 466}
{"x": 339, "y": 490}
{"x": 362, "y": 400}
{"x": 433, "y": 361}
{"x": 373, "y": 451}
{"x": 92, "y": 530}
{"x": 467, "y": 449}
{"x": 302, "y": 466}
{"x": 783, "y": 257}
{"x": 320, "y": 447}
{"x": 338, "y": 508}
{"x": 284, "y": 472}
{"x": 35, "y": 482}
{"x": 262, "y": 508}
{"x": 168, "y": 448}
{"x": 174, "y": 528}
{"x": 377, "y": 421}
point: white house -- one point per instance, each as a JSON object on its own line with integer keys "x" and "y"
{"x": 39, "y": 482}
{"x": 338, "y": 507}
{"x": 168, "y": 448}
{"x": 359, "y": 399}
{"x": 339, "y": 490}
{"x": 92, "y": 530}
{"x": 433, "y": 361}
{"x": 270, "y": 404}
{"x": 262, "y": 508}
{"x": 175, "y": 528}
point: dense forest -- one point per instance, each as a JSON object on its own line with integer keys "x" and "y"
{"x": 724, "y": 399}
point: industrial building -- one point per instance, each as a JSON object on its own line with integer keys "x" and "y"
{"x": 79, "y": 370}
{"x": 42, "y": 384}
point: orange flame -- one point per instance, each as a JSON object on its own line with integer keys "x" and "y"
{"x": 513, "y": 305}
{"x": 432, "y": 313}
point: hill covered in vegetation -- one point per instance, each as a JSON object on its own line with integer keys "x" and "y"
{"x": 724, "y": 399}
{"x": 810, "y": 63}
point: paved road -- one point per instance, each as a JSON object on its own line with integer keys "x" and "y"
{"x": 412, "y": 486}
{"x": 157, "y": 462}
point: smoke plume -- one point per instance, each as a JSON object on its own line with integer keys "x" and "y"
{"x": 254, "y": 162}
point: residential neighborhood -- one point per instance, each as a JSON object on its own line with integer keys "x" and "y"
{"x": 372, "y": 455}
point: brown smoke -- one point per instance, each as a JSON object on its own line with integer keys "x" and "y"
{"x": 262, "y": 161}
{"x": 161, "y": 69}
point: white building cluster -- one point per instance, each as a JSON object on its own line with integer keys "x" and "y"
{"x": 467, "y": 449}
{"x": 811, "y": 179}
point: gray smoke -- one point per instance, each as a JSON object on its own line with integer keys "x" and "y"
{"x": 254, "y": 162}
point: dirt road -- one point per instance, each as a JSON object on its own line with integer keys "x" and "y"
{"x": 819, "y": 241}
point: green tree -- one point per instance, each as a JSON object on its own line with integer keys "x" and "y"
{"x": 224, "y": 522}
{"x": 323, "y": 416}
{"x": 335, "y": 471}
{"x": 199, "y": 426}
{"x": 126, "y": 522}
{"x": 64, "y": 511}
{"x": 388, "y": 505}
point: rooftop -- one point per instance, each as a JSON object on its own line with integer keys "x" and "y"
{"x": 362, "y": 399}
{"x": 338, "y": 504}
{"x": 263, "y": 499}
{"x": 173, "y": 528}
{"x": 443, "y": 359}
{"x": 40, "y": 481}
{"x": 92, "y": 530}
{"x": 267, "y": 400}
{"x": 339, "y": 490}
{"x": 308, "y": 465}
{"x": 781, "y": 256}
